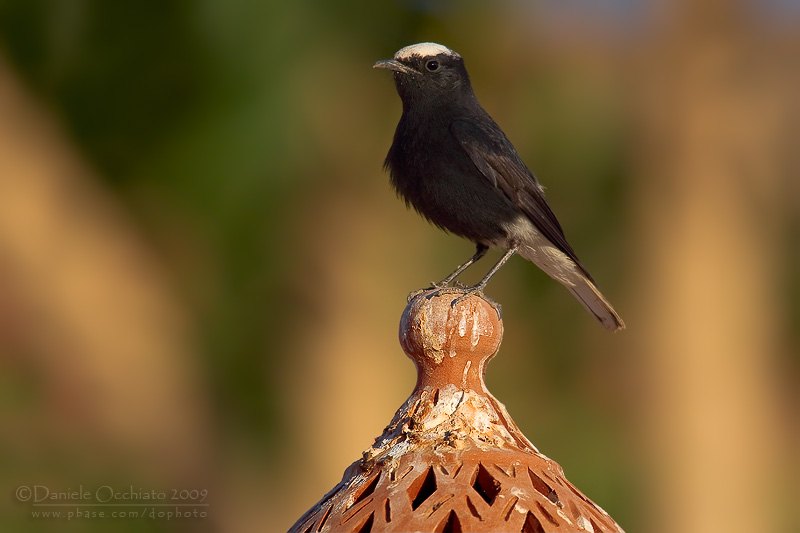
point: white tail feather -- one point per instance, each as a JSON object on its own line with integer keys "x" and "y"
{"x": 595, "y": 303}
{"x": 562, "y": 269}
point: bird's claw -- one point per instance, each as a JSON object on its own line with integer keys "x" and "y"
{"x": 437, "y": 289}
{"x": 414, "y": 294}
{"x": 477, "y": 290}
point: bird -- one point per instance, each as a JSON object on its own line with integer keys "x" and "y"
{"x": 452, "y": 163}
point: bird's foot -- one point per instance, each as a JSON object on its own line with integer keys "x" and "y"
{"x": 437, "y": 289}
{"x": 477, "y": 290}
{"x": 414, "y": 294}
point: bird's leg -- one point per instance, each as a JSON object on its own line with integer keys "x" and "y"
{"x": 480, "y": 251}
{"x": 482, "y": 283}
{"x": 478, "y": 287}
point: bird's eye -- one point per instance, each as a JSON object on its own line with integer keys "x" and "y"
{"x": 432, "y": 65}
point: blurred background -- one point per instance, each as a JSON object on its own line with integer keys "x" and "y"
{"x": 202, "y": 264}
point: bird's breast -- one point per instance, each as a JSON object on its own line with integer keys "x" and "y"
{"x": 433, "y": 174}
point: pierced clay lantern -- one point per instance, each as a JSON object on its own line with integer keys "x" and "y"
{"x": 452, "y": 459}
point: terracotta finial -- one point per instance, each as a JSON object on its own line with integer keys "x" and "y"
{"x": 468, "y": 334}
{"x": 452, "y": 458}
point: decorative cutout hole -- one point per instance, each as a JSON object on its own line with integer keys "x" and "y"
{"x": 543, "y": 488}
{"x": 422, "y": 488}
{"x": 366, "y": 527}
{"x": 404, "y": 474}
{"x": 532, "y": 524}
{"x": 414, "y": 408}
{"x": 546, "y": 514}
{"x": 574, "y": 508}
{"x": 387, "y": 511}
{"x": 440, "y": 503}
{"x": 509, "y": 508}
{"x": 365, "y": 490}
{"x": 393, "y": 477}
{"x": 324, "y": 517}
{"x": 451, "y": 524}
{"x": 356, "y": 511}
{"x": 473, "y": 511}
{"x": 485, "y": 485}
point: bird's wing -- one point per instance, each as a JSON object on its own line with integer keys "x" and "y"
{"x": 495, "y": 157}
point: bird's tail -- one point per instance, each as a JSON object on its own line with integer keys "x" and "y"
{"x": 594, "y": 302}
{"x": 562, "y": 269}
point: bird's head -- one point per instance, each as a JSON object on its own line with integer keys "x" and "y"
{"x": 428, "y": 72}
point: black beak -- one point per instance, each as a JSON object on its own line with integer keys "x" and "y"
{"x": 394, "y": 65}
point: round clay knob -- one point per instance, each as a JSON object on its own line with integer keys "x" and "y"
{"x": 450, "y": 343}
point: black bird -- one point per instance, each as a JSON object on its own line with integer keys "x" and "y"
{"x": 453, "y": 164}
